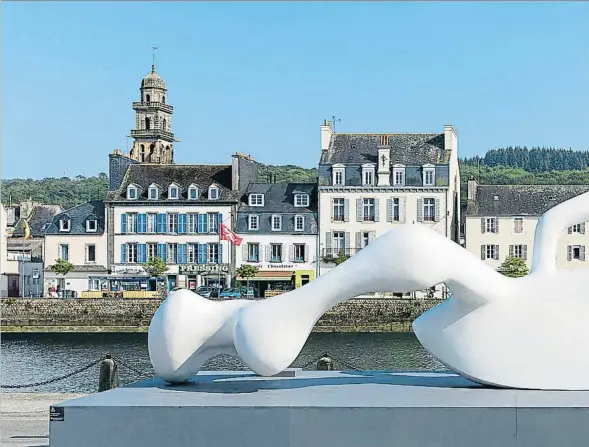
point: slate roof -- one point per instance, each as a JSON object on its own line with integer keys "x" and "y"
{"x": 279, "y": 197}
{"x": 407, "y": 149}
{"x": 92, "y": 268}
{"x": 202, "y": 176}
{"x": 78, "y": 215}
{"x": 520, "y": 200}
{"x": 13, "y": 244}
{"x": 40, "y": 217}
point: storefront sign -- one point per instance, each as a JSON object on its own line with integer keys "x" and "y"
{"x": 128, "y": 270}
{"x": 275, "y": 266}
{"x": 193, "y": 269}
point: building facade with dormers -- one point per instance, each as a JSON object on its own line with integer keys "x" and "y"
{"x": 173, "y": 212}
{"x": 501, "y": 222}
{"x": 77, "y": 235}
{"x": 278, "y": 224}
{"x": 371, "y": 183}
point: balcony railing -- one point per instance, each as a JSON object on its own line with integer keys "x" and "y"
{"x": 144, "y": 105}
{"x": 152, "y": 133}
{"x": 332, "y": 253}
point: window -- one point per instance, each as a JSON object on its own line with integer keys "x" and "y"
{"x": 276, "y": 223}
{"x": 396, "y": 210}
{"x": 256, "y": 200}
{"x": 518, "y": 225}
{"x": 147, "y": 99}
{"x": 339, "y": 175}
{"x": 193, "y": 223}
{"x": 253, "y": 222}
{"x": 301, "y": 200}
{"x": 193, "y": 193}
{"x": 299, "y": 223}
{"x": 299, "y": 252}
{"x": 576, "y": 252}
{"x": 64, "y": 225}
{"x": 147, "y": 123}
{"x": 172, "y": 254}
{"x": 367, "y": 175}
{"x": 576, "y": 229}
{"x": 173, "y": 192}
{"x": 153, "y": 193}
{"x": 429, "y": 175}
{"x": 152, "y": 223}
{"x": 399, "y": 176}
{"x": 339, "y": 242}
{"x": 131, "y": 253}
{"x": 213, "y": 222}
{"x": 172, "y": 223}
{"x": 365, "y": 239}
{"x": 368, "y": 209}
{"x": 151, "y": 250}
{"x": 253, "y": 252}
{"x": 276, "y": 253}
{"x": 91, "y": 225}
{"x": 91, "y": 253}
{"x": 519, "y": 251}
{"x": 192, "y": 253}
{"x": 213, "y": 193}
{"x": 132, "y": 223}
{"x": 213, "y": 253}
{"x": 491, "y": 252}
{"x": 429, "y": 209}
{"x": 64, "y": 252}
{"x": 93, "y": 284}
{"x": 491, "y": 225}
{"x": 131, "y": 193}
{"x": 338, "y": 210}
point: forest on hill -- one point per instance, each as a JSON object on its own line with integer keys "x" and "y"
{"x": 511, "y": 165}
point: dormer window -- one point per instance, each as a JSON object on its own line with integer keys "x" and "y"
{"x": 64, "y": 224}
{"x": 91, "y": 225}
{"x": 132, "y": 192}
{"x": 399, "y": 175}
{"x": 173, "y": 192}
{"x": 276, "y": 223}
{"x": 301, "y": 200}
{"x": 299, "y": 223}
{"x": 429, "y": 175}
{"x": 339, "y": 175}
{"x": 367, "y": 175}
{"x": 153, "y": 192}
{"x": 256, "y": 200}
{"x": 193, "y": 192}
{"x": 213, "y": 192}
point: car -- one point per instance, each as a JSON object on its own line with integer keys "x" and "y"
{"x": 248, "y": 293}
{"x": 204, "y": 291}
{"x": 230, "y": 293}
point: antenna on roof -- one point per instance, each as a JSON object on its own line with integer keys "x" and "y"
{"x": 153, "y": 49}
{"x": 333, "y": 121}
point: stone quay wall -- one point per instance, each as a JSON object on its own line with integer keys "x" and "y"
{"x": 134, "y": 315}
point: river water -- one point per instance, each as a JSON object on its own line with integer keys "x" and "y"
{"x": 28, "y": 358}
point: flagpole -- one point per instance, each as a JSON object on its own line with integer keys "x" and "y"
{"x": 218, "y": 259}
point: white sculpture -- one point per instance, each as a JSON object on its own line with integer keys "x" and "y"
{"x": 528, "y": 332}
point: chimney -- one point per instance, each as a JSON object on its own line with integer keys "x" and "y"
{"x": 471, "y": 192}
{"x": 450, "y": 142}
{"x": 384, "y": 161}
{"x": 326, "y": 133}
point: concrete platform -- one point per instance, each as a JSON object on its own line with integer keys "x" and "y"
{"x": 323, "y": 408}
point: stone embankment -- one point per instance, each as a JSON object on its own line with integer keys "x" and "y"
{"x": 134, "y": 315}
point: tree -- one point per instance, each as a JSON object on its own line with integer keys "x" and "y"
{"x": 514, "y": 267}
{"x": 247, "y": 271}
{"x": 62, "y": 267}
{"x": 341, "y": 257}
{"x": 155, "y": 267}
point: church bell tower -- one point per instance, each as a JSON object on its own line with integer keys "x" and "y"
{"x": 153, "y": 136}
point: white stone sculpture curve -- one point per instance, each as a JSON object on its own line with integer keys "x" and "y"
{"x": 528, "y": 332}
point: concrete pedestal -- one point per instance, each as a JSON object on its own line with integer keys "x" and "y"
{"x": 322, "y": 408}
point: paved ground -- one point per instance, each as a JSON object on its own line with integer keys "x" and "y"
{"x": 25, "y": 418}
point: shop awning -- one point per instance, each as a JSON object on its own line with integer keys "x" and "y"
{"x": 269, "y": 275}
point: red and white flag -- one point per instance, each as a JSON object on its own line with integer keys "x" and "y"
{"x": 228, "y": 235}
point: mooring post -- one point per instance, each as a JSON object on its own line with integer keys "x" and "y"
{"x": 109, "y": 374}
{"x": 324, "y": 364}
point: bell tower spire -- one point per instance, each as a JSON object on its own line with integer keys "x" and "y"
{"x": 153, "y": 136}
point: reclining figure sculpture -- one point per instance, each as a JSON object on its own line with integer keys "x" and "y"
{"x": 529, "y": 332}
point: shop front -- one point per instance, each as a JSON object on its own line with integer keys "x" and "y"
{"x": 193, "y": 276}
{"x": 275, "y": 279}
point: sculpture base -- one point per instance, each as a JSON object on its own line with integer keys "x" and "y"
{"x": 319, "y": 408}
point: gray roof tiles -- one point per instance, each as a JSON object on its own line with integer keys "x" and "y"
{"x": 40, "y": 217}
{"x": 279, "y": 197}
{"x": 78, "y": 216}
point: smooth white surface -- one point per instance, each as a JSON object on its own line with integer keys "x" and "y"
{"x": 529, "y": 332}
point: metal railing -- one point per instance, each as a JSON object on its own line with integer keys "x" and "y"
{"x": 332, "y": 253}
{"x": 161, "y": 105}
{"x": 131, "y": 294}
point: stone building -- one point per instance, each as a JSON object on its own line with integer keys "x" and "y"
{"x": 278, "y": 224}
{"x": 501, "y": 221}
{"x": 153, "y": 136}
{"x": 371, "y": 183}
{"x": 3, "y": 252}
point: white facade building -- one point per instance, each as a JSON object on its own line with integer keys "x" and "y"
{"x": 3, "y": 252}
{"x": 501, "y": 222}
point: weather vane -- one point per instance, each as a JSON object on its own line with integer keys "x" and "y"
{"x": 333, "y": 121}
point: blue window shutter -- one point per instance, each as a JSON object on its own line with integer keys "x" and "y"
{"x": 161, "y": 251}
{"x": 220, "y": 254}
{"x": 161, "y": 223}
{"x": 123, "y": 223}
{"x": 142, "y": 223}
{"x": 182, "y": 223}
{"x": 219, "y": 222}
{"x": 142, "y": 253}
{"x": 202, "y": 253}
{"x": 181, "y": 253}
{"x": 202, "y": 223}
{"x": 123, "y": 253}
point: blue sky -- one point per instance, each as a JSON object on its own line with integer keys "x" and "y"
{"x": 259, "y": 78}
